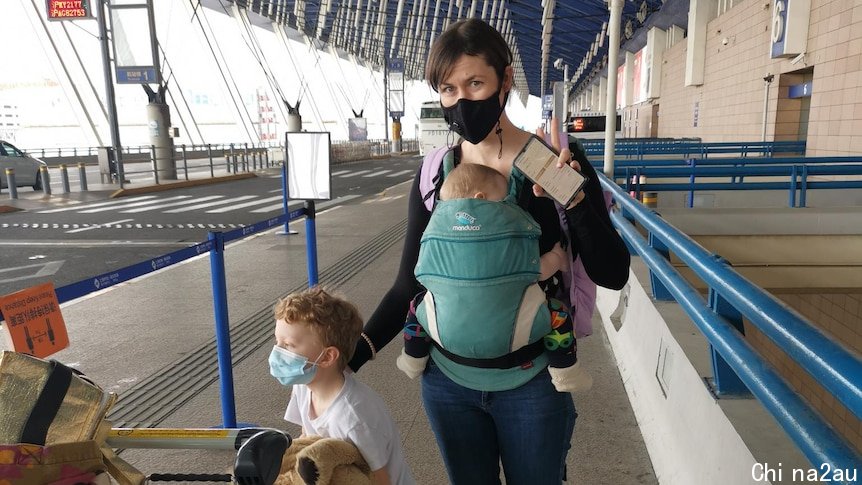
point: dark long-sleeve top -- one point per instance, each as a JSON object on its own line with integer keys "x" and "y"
{"x": 591, "y": 234}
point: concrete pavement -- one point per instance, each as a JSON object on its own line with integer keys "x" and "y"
{"x": 133, "y": 332}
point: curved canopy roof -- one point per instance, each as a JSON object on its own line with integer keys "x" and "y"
{"x": 539, "y": 31}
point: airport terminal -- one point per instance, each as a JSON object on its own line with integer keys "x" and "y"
{"x": 170, "y": 169}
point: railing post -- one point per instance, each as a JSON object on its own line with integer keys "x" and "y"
{"x": 82, "y": 176}
{"x": 10, "y": 180}
{"x": 228, "y": 156}
{"x": 185, "y": 161}
{"x": 803, "y": 189}
{"x": 692, "y": 162}
{"x": 726, "y": 381}
{"x": 153, "y": 163}
{"x": 285, "y": 197}
{"x": 245, "y": 158}
{"x": 266, "y": 157}
{"x": 222, "y": 330}
{"x": 310, "y": 243}
{"x": 659, "y": 290}
{"x": 791, "y": 200}
{"x": 629, "y": 190}
{"x": 46, "y": 179}
{"x": 210, "y": 156}
{"x": 64, "y": 178}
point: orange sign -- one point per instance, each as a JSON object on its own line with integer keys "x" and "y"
{"x": 68, "y": 9}
{"x": 34, "y": 321}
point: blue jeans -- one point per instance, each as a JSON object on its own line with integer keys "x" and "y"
{"x": 528, "y": 428}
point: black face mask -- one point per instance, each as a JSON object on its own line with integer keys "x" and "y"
{"x": 473, "y": 120}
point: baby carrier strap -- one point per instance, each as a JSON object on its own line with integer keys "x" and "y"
{"x": 522, "y": 351}
{"x": 431, "y": 175}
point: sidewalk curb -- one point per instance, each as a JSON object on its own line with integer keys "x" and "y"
{"x": 178, "y": 185}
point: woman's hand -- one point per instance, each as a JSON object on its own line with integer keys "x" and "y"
{"x": 564, "y": 158}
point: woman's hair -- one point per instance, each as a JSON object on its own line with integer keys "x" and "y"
{"x": 334, "y": 320}
{"x": 468, "y": 178}
{"x": 472, "y": 37}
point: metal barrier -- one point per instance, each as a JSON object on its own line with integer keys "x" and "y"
{"x": 797, "y": 178}
{"x": 688, "y": 148}
{"x": 731, "y": 297}
{"x": 189, "y": 159}
{"x": 215, "y": 246}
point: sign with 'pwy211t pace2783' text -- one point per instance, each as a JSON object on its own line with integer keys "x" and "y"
{"x": 69, "y": 9}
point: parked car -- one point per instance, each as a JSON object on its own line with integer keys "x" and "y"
{"x": 26, "y": 167}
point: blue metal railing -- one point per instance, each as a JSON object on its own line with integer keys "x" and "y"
{"x": 797, "y": 178}
{"x": 623, "y": 163}
{"x": 836, "y": 369}
{"x": 687, "y": 147}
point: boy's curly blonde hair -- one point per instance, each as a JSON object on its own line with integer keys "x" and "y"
{"x": 333, "y": 319}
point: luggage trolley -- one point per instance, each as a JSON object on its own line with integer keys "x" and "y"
{"x": 258, "y": 450}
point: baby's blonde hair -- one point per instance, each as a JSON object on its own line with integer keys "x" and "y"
{"x": 333, "y": 319}
{"x": 465, "y": 180}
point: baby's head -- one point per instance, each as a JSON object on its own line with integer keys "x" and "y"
{"x": 474, "y": 181}
{"x": 313, "y": 322}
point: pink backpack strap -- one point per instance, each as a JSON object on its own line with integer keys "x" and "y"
{"x": 429, "y": 172}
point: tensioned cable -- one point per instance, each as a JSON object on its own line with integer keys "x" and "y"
{"x": 197, "y": 14}
{"x": 233, "y": 81}
{"x": 63, "y": 66}
{"x": 86, "y": 74}
{"x": 344, "y": 77}
{"x": 258, "y": 55}
{"x": 303, "y": 83}
{"x": 317, "y": 64}
{"x": 183, "y": 97}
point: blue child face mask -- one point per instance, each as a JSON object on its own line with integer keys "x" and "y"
{"x": 289, "y": 368}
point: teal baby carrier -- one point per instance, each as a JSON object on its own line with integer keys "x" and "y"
{"x": 483, "y": 308}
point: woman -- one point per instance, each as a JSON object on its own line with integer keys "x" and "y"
{"x": 527, "y": 425}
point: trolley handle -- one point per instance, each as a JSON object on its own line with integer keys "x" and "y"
{"x": 190, "y": 477}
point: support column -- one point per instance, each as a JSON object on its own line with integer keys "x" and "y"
{"x": 614, "y": 24}
{"x": 628, "y": 80}
{"x": 159, "y": 121}
{"x": 603, "y": 92}
{"x": 700, "y": 12}
{"x": 656, "y": 42}
{"x": 116, "y": 154}
{"x": 396, "y": 135}
{"x": 595, "y": 98}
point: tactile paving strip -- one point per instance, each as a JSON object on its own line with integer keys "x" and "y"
{"x": 156, "y": 397}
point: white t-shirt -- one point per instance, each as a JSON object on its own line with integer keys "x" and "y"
{"x": 357, "y": 415}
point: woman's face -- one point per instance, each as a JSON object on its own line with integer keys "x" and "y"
{"x": 471, "y": 78}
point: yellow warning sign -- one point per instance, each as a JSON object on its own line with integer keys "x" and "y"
{"x": 34, "y": 322}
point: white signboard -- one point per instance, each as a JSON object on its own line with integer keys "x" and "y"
{"x": 790, "y": 27}
{"x": 308, "y": 167}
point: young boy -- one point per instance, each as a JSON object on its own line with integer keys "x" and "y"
{"x": 315, "y": 335}
{"x": 475, "y": 181}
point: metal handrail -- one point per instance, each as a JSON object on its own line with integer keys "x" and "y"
{"x": 836, "y": 369}
{"x": 817, "y": 440}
